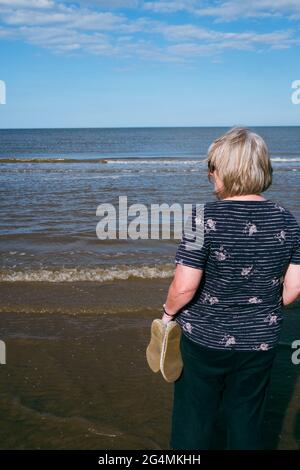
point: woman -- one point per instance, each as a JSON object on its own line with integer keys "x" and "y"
{"x": 227, "y": 295}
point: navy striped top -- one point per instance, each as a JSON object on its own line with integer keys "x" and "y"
{"x": 244, "y": 252}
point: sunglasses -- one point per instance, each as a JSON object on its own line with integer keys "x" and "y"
{"x": 211, "y": 168}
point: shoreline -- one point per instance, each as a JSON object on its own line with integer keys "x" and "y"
{"x": 77, "y": 378}
{"x": 84, "y": 297}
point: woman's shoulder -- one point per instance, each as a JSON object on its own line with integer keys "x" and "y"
{"x": 221, "y": 207}
{"x": 288, "y": 213}
{"x": 290, "y": 220}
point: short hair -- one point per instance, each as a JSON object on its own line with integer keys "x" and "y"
{"x": 242, "y": 162}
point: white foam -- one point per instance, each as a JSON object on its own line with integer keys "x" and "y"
{"x": 284, "y": 159}
{"x": 98, "y": 275}
{"x": 153, "y": 161}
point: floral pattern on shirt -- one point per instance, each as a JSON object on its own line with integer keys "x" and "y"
{"x": 262, "y": 347}
{"x": 280, "y": 236}
{"x": 221, "y": 253}
{"x": 186, "y": 326}
{"x": 186, "y": 312}
{"x": 271, "y": 319}
{"x": 228, "y": 340}
{"x": 248, "y": 247}
{"x": 250, "y": 229}
{"x": 254, "y": 300}
{"x": 210, "y": 225}
{"x": 207, "y": 298}
{"x": 247, "y": 271}
{"x": 282, "y": 209}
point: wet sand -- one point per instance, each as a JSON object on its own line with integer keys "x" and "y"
{"x": 77, "y": 378}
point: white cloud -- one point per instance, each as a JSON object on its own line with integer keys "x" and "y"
{"x": 234, "y": 9}
{"x": 76, "y": 27}
{"x": 28, "y": 3}
{"x": 169, "y": 6}
{"x": 72, "y": 18}
{"x": 229, "y": 10}
{"x": 108, "y": 4}
{"x": 191, "y": 32}
{"x": 54, "y": 38}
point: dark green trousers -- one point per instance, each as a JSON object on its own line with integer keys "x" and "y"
{"x": 237, "y": 380}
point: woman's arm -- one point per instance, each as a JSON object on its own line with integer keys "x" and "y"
{"x": 291, "y": 284}
{"x": 182, "y": 289}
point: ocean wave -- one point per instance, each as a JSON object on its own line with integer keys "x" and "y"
{"x": 52, "y": 160}
{"x": 95, "y": 275}
{"x": 285, "y": 159}
{"x": 151, "y": 161}
{"x": 162, "y": 161}
{"x": 111, "y": 161}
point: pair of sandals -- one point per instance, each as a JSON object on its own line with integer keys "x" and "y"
{"x": 163, "y": 352}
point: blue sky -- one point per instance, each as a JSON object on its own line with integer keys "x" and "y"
{"x": 126, "y": 63}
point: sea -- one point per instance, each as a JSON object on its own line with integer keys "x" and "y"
{"x": 76, "y": 310}
{"x": 53, "y": 180}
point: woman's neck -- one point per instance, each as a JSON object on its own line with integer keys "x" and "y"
{"x": 246, "y": 197}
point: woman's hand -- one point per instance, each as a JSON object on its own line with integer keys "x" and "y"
{"x": 166, "y": 318}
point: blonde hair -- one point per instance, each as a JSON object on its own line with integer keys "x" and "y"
{"x": 242, "y": 162}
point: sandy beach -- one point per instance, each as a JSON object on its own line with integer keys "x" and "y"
{"x": 77, "y": 378}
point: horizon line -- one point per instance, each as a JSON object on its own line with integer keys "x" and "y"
{"x": 143, "y": 127}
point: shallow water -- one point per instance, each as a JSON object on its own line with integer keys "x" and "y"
{"x": 76, "y": 311}
{"x": 52, "y": 181}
